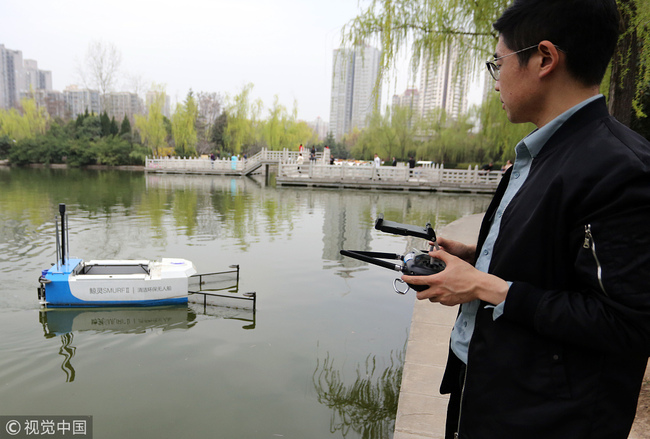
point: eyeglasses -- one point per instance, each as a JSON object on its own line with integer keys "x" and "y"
{"x": 493, "y": 68}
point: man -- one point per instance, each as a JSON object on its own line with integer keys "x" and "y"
{"x": 377, "y": 165}
{"x": 299, "y": 161}
{"x": 553, "y": 334}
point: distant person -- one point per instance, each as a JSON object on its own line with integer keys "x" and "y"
{"x": 312, "y": 155}
{"x": 394, "y": 161}
{"x": 411, "y": 162}
{"x": 506, "y": 166}
{"x": 488, "y": 167}
{"x": 299, "y": 162}
{"x": 377, "y": 165}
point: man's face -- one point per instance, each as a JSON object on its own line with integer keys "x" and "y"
{"x": 516, "y": 86}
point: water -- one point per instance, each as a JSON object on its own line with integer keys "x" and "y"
{"x": 320, "y": 358}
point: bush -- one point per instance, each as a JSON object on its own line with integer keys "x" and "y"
{"x": 27, "y": 151}
{"x": 5, "y": 147}
{"x": 114, "y": 151}
{"x": 81, "y": 153}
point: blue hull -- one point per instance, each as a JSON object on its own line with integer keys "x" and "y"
{"x": 56, "y": 293}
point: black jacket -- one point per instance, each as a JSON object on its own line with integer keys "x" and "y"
{"x": 567, "y": 357}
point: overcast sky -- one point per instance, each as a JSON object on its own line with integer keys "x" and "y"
{"x": 283, "y": 47}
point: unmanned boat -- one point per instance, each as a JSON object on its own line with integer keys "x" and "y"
{"x": 72, "y": 282}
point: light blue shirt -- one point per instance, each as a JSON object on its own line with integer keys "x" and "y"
{"x": 526, "y": 151}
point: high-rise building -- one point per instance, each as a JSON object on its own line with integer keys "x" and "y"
{"x": 78, "y": 101}
{"x": 120, "y": 104}
{"x": 53, "y": 101}
{"x": 18, "y": 77}
{"x": 33, "y": 78}
{"x": 11, "y": 64}
{"x": 353, "y": 81}
{"x": 444, "y": 84}
{"x": 410, "y": 99}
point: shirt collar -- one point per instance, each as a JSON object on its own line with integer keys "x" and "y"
{"x": 538, "y": 138}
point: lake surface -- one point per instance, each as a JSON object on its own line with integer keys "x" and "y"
{"x": 321, "y": 356}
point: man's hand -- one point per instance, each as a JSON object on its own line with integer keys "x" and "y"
{"x": 459, "y": 282}
{"x": 456, "y": 248}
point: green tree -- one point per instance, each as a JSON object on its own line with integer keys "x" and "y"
{"x": 114, "y": 151}
{"x": 275, "y": 128}
{"x": 499, "y": 136}
{"x": 152, "y": 126}
{"x": 337, "y": 149}
{"x": 5, "y": 146}
{"x": 449, "y": 141}
{"x": 126, "y": 126}
{"x": 218, "y": 129}
{"x": 114, "y": 129}
{"x": 388, "y": 135}
{"x": 183, "y": 127}
{"x": 90, "y": 129}
{"x": 25, "y": 124}
{"x": 238, "y": 132}
{"x": 106, "y": 124}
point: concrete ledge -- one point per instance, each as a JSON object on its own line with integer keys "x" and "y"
{"x": 422, "y": 410}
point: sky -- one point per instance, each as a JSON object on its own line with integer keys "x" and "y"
{"x": 282, "y": 47}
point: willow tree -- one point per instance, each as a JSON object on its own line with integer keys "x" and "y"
{"x": 239, "y": 129}
{"x": 183, "y": 126}
{"x": 388, "y": 135}
{"x": 425, "y": 28}
{"x": 152, "y": 126}
{"x": 25, "y": 124}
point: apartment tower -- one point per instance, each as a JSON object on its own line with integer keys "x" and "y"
{"x": 353, "y": 81}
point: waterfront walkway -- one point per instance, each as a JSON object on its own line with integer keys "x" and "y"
{"x": 422, "y": 409}
{"x": 290, "y": 171}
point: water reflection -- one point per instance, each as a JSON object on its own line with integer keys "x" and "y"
{"x": 67, "y": 351}
{"x": 126, "y": 320}
{"x": 64, "y": 323}
{"x": 368, "y": 406}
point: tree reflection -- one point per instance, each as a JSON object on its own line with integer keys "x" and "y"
{"x": 369, "y": 405}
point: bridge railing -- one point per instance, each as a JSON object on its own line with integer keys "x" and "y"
{"x": 195, "y": 164}
{"x": 426, "y": 174}
{"x": 289, "y": 167}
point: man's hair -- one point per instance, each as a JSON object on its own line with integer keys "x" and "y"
{"x": 586, "y": 30}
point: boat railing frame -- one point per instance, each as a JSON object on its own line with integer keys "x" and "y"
{"x": 250, "y": 296}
